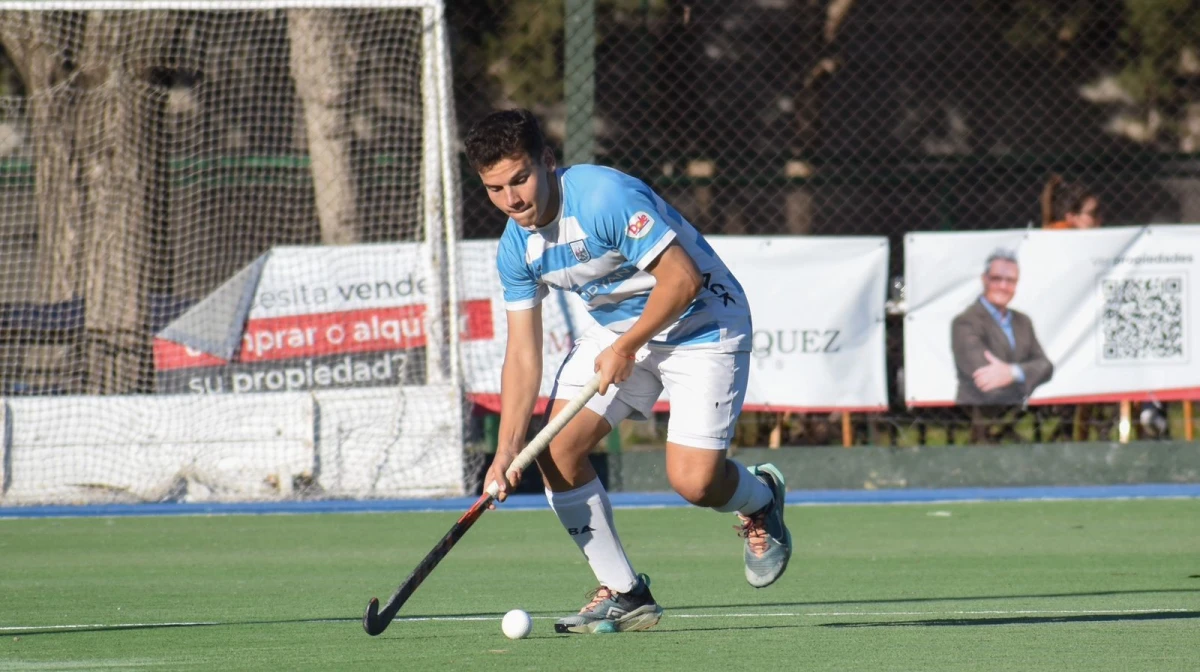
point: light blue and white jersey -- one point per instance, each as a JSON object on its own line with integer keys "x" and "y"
{"x": 609, "y": 228}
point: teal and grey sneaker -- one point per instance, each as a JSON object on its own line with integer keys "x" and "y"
{"x": 609, "y": 612}
{"x": 768, "y": 541}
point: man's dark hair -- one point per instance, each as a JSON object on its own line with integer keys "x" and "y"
{"x": 503, "y": 135}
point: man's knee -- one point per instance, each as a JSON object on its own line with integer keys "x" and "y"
{"x": 565, "y": 464}
{"x": 565, "y": 469}
{"x": 696, "y": 492}
{"x": 702, "y": 485}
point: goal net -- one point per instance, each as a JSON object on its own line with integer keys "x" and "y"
{"x": 227, "y": 232}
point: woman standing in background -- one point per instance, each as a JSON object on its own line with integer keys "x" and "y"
{"x": 1069, "y": 205}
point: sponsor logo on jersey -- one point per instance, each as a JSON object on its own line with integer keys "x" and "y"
{"x": 579, "y": 248}
{"x": 592, "y": 289}
{"x": 639, "y": 224}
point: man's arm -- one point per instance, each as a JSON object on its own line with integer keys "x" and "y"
{"x": 1037, "y": 367}
{"x": 676, "y": 283}
{"x": 520, "y": 381}
{"x": 966, "y": 341}
{"x": 520, "y": 377}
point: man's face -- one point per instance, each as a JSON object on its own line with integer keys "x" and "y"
{"x": 521, "y": 188}
{"x": 1000, "y": 283}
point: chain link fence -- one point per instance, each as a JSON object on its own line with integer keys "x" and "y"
{"x": 780, "y": 117}
{"x": 863, "y": 117}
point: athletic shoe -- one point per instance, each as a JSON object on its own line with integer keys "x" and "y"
{"x": 609, "y": 611}
{"x": 768, "y": 541}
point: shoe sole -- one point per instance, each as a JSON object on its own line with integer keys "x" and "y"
{"x": 642, "y": 618}
{"x": 780, "y": 489}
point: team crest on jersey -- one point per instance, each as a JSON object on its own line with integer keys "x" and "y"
{"x": 639, "y": 224}
{"x": 579, "y": 248}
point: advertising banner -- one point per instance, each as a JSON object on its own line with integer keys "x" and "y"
{"x": 304, "y": 318}
{"x": 1055, "y": 316}
{"x": 818, "y": 308}
{"x": 354, "y": 316}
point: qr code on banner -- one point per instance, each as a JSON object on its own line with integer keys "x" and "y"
{"x": 1143, "y": 319}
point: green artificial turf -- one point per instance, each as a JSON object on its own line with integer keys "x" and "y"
{"x": 1092, "y": 586}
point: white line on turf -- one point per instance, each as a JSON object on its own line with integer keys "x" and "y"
{"x": 84, "y": 626}
{"x": 772, "y": 614}
{"x": 981, "y": 612}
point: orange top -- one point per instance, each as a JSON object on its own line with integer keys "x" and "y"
{"x": 1057, "y": 226}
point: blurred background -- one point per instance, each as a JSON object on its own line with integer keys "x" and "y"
{"x": 781, "y": 117}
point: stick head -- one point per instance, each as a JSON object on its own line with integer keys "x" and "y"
{"x": 371, "y": 621}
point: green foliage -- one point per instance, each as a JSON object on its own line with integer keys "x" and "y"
{"x": 1042, "y": 24}
{"x": 526, "y": 52}
{"x": 1154, "y": 39}
{"x": 1155, "y": 35}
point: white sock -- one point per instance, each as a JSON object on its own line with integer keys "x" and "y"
{"x": 751, "y": 494}
{"x": 586, "y": 513}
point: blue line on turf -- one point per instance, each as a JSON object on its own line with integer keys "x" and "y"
{"x": 625, "y": 500}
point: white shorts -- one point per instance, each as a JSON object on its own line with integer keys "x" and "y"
{"x": 706, "y": 388}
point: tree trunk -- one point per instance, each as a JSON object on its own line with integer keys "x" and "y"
{"x": 823, "y": 54}
{"x": 115, "y": 124}
{"x": 33, "y": 41}
{"x": 323, "y": 62}
{"x": 94, "y": 147}
{"x": 31, "y": 38}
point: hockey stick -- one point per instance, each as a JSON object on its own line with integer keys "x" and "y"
{"x": 376, "y": 620}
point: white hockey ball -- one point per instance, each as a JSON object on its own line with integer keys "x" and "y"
{"x": 516, "y": 624}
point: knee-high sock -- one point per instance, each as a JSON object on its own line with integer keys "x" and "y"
{"x": 587, "y": 515}
{"x": 751, "y": 494}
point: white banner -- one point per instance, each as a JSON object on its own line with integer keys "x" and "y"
{"x": 818, "y": 321}
{"x": 1097, "y": 315}
{"x": 304, "y": 318}
{"x": 328, "y": 317}
{"x": 818, "y": 308}
{"x": 337, "y": 279}
{"x": 564, "y": 318}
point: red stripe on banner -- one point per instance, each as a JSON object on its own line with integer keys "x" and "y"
{"x": 763, "y": 408}
{"x": 170, "y": 355}
{"x": 366, "y": 330}
{"x": 491, "y": 402}
{"x": 310, "y": 335}
{"x": 1175, "y": 394}
{"x": 665, "y": 406}
{"x": 931, "y": 404}
{"x": 478, "y": 316}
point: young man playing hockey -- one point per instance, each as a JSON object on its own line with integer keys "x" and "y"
{"x": 669, "y": 314}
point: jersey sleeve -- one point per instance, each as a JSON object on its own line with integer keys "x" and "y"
{"x": 633, "y": 224}
{"x": 521, "y": 290}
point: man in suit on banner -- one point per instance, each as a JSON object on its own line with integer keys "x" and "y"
{"x": 996, "y": 351}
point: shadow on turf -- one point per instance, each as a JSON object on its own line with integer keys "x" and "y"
{"x": 910, "y": 600}
{"x": 1022, "y": 620}
{"x": 672, "y": 630}
{"x": 168, "y": 626}
{"x": 833, "y": 603}
{"x": 931, "y": 622}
